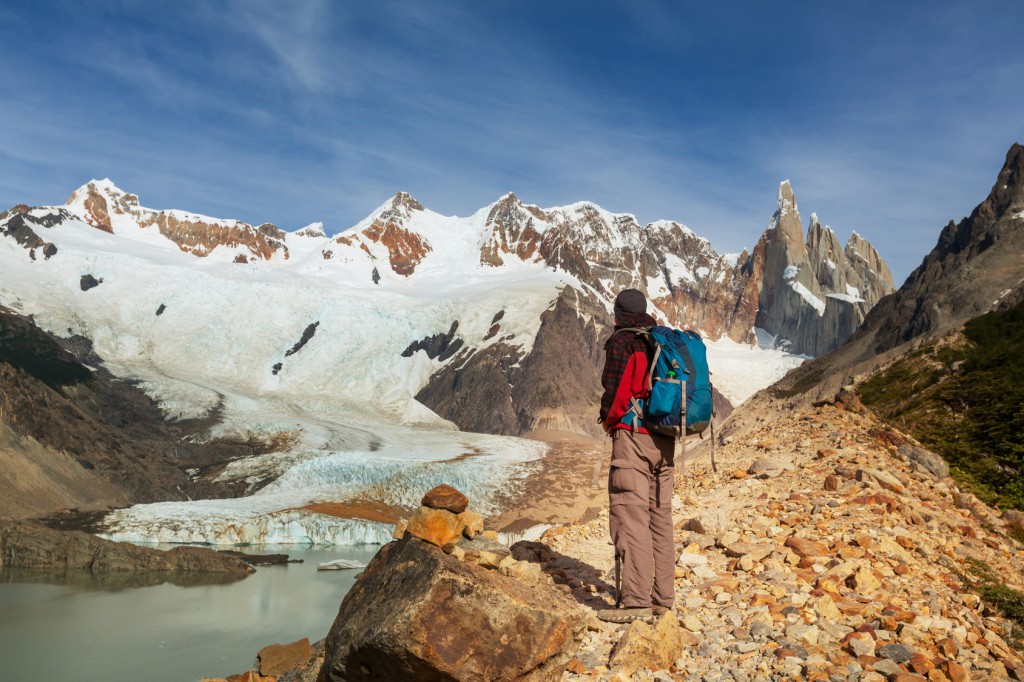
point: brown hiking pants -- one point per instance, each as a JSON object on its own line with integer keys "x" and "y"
{"x": 640, "y": 516}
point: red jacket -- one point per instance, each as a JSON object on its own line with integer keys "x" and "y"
{"x": 625, "y": 373}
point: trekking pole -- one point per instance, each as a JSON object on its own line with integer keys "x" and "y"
{"x": 618, "y": 580}
{"x": 714, "y": 467}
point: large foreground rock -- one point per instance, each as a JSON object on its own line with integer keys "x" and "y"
{"x": 25, "y": 545}
{"x": 417, "y": 613}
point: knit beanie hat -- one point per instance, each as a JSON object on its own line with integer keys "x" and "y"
{"x": 630, "y": 302}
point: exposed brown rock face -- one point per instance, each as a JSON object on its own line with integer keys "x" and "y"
{"x": 193, "y": 234}
{"x": 405, "y": 247}
{"x": 448, "y": 620}
{"x": 96, "y": 211}
{"x": 513, "y": 231}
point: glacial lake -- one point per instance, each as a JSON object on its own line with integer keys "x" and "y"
{"x": 81, "y": 630}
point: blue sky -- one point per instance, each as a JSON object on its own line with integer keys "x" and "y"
{"x": 890, "y": 118}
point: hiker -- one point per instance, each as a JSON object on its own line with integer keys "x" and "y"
{"x": 642, "y": 475}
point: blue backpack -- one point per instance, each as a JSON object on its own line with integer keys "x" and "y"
{"x": 680, "y": 402}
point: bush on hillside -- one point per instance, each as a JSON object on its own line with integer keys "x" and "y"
{"x": 965, "y": 401}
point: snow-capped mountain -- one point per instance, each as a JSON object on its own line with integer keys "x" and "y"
{"x": 493, "y": 321}
{"x": 353, "y": 357}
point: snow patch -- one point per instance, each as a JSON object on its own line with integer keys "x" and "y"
{"x": 806, "y": 294}
{"x": 678, "y": 270}
{"x": 740, "y": 370}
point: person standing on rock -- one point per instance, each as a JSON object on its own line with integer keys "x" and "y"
{"x": 642, "y": 473}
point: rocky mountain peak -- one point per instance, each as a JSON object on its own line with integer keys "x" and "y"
{"x": 1008, "y": 191}
{"x": 312, "y": 230}
{"x": 786, "y": 199}
{"x": 514, "y": 228}
{"x": 97, "y": 199}
{"x": 406, "y": 201}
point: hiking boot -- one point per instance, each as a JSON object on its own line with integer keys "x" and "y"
{"x": 626, "y": 615}
{"x": 659, "y": 611}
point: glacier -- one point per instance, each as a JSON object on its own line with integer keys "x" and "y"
{"x": 210, "y": 338}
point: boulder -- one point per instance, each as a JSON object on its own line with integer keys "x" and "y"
{"x": 881, "y": 479}
{"x": 713, "y": 522}
{"x": 928, "y": 460}
{"x": 764, "y": 467}
{"x": 436, "y": 526}
{"x": 276, "y": 659}
{"x": 447, "y": 498}
{"x": 448, "y": 620}
{"x": 649, "y": 647}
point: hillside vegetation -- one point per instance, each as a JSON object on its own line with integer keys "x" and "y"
{"x": 963, "y": 397}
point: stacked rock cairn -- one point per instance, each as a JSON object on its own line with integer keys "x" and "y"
{"x": 444, "y": 520}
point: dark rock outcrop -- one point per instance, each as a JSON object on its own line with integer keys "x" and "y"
{"x": 80, "y": 437}
{"x": 448, "y": 620}
{"x": 307, "y": 334}
{"x": 28, "y": 545}
{"x": 441, "y": 346}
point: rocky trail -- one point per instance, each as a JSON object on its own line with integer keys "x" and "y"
{"x": 824, "y": 549}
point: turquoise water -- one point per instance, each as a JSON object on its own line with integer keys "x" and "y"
{"x": 81, "y": 630}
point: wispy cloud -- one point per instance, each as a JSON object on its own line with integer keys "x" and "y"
{"x": 293, "y": 112}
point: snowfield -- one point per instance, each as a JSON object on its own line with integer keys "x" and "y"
{"x": 209, "y": 336}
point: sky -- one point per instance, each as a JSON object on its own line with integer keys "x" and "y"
{"x": 889, "y": 118}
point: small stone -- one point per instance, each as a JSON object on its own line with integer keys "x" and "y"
{"x": 490, "y": 535}
{"x": 864, "y": 580}
{"x": 806, "y": 548}
{"x": 447, "y": 498}
{"x": 474, "y": 523}
{"x": 861, "y": 644}
{"x": 491, "y": 560}
{"x": 436, "y": 526}
{"x": 954, "y": 671}
{"x": 831, "y": 482}
{"x": 524, "y": 571}
{"x": 802, "y": 632}
{"x": 745, "y": 563}
{"x": 399, "y": 531}
{"x": 692, "y": 623}
{"x": 920, "y": 664}
{"x": 895, "y": 652}
{"x": 886, "y": 667}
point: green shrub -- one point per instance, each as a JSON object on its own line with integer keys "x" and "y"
{"x": 972, "y": 415}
